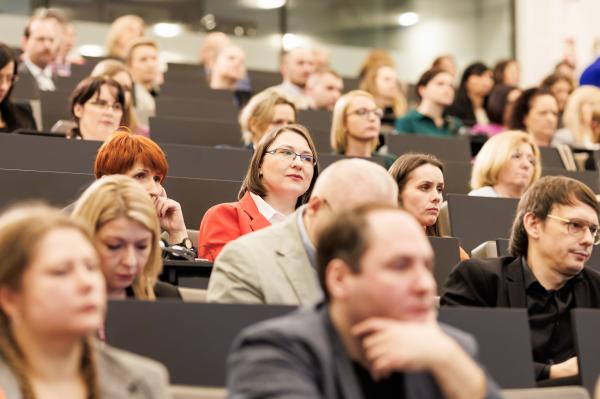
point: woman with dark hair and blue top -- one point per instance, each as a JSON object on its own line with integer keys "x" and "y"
{"x": 470, "y": 101}
{"x": 12, "y": 116}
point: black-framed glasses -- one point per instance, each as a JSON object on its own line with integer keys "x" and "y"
{"x": 577, "y": 227}
{"x": 365, "y": 112}
{"x": 290, "y": 155}
{"x": 104, "y": 105}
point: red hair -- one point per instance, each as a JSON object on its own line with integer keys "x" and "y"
{"x": 122, "y": 150}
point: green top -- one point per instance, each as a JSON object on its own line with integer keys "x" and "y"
{"x": 416, "y": 123}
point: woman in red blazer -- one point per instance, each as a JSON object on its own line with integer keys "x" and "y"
{"x": 280, "y": 178}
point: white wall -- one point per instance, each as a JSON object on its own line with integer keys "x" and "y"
{"x": 544, "y": 25}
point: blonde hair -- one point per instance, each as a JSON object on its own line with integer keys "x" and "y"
{"x": 496, "y": 152}
{"x": 260, "y": 110}
{"x": 115, "y": 31}
{"x": 369, "y": 84}
{"x": 139, "y": 42}
{"x": 21, "y": 229}
{"x": 111, "y": 68}
{"x": 115, "y": 196}
{"x": 339, "y": 137}
{"x": 572, "y": 114}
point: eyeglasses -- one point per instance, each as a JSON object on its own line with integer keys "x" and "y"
{"x": 290, "y": 155}
{"x": 365, "y": 112}
{"x": 116, "y": 107}
{"x": 518, "y": 155}
{"x": 8, "y": 78}
{"x": 576, "y": 227}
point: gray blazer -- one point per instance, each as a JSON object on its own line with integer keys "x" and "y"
{"x": 268, "y": 266}
{"x": 301, "y": 356}
{"x": 121, "y": 375}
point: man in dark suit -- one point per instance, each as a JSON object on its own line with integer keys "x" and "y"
{"x": 376, "y": 335}
{"x": 552, "y": 237}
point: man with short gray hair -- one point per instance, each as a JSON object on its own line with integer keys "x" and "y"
{"x": 277, "y": 265}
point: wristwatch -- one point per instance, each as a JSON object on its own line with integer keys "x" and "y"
{"x": 186, "y": 243}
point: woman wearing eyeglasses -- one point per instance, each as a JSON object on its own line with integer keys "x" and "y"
{"x": 506, "y": 166}
{"x": 12, "y": 116}
{"x": 280, "y": 178}
{"x": 355, "y": 126}
{"x": 97, "y": 105}
{"x": 435, "y": 90}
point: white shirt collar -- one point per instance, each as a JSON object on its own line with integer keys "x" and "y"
{"x": 270, "y": 213}
{"x": 42, "y": 76}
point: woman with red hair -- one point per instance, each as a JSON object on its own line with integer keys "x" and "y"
{"x": 142, "y": 159}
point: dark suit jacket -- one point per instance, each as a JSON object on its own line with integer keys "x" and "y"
{"x": 302, "y": 356}
{"x": 499, "y": 282}
{"x": 226, "y": 222}
{"x": 22, "y": 118}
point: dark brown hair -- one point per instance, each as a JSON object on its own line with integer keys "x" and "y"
{"x": 253, "y": 182}
{"x": 523, "y": 105}
{"x": 346, "y": 238}
{"x": 540, "y": 198}
{"x": 401, "y": 170}
{"x": 90, "y": 87}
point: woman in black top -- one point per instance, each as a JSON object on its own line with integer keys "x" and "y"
{"x": 470, "y": 101}
{"x": 12, "y": 116}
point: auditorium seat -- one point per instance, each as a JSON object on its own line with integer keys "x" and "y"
{"x": 196, "y": 108}
{"x": 569, "y": 392}
{"x": 192, "y": 294}
{"x": 191, "y": 392}
{"x": 586, "y": 324}
{"x": 456, "y": 149}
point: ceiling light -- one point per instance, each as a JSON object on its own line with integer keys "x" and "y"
{"x": 408, "y": 19}
{"x": 264, "y": 4}
{"x": 91, "y": 50}
{"x": 165, "y": 29}
{"x": 290, "y": 41}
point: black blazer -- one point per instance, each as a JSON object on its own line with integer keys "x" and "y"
{"x": 21, "y": 118}
{"x": 162, "y": 290}
{"x": 499, "y": 282}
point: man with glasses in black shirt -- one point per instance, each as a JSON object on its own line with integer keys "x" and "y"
{"x": 552, "y": 237}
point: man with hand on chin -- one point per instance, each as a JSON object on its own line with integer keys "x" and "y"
{"x": 376, "y": 334}
{"x": 552, "y": 237}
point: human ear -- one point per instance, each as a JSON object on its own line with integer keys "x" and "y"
{"x": 8, "y": 301}
{"x": 337, "y": 279}
{"x": 532, "y": 225}
{"x": 78, "y": 110}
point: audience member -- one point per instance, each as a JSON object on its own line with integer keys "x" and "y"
{"x": 552, "y": 237}
{"x": 506, "y": 72}
{"x": 470, "y": 100}
{"x": 123, "y": 31}
{"x": 97, "y": 106}
{"x": 560, "y": 86}
{"x": 536, "y": 112}
{"x": 228, "y": 69}
{"x": 506, "y": 166}
{"x": 265, "y": 111}
{"x": 436, "y": 92}
{"x": 375, "y": 336}
{"x": 596, "y": 124}
{"x": 446, "y": 63}
{"x": 274, "y": 187}
{"x": 65, "y": 56}
{"x": 420, "y": 180}
{"x": 591, "y": 74}
{"x": 143, "y": 160}
{"x": 382, "y": 83}
{"x": 566, "y": 68}
{"x": 277, "y": 265}
{"x": 123, "y": 221}
{"x": 118, "y": 71}
{"x": 324, "y": 87}
{"x": 13, "y": 116}
{"x": 40, "y": 44}
{"x": 499, "y": 109}
{"x": 355, "y": 126}
{"x": 322, "y": 57}
{"x": 577, "y": 118}
{"x": 211, "y": 46}
{"x": 296, "y": 67}
{"x": 142, "y": 61}
{"x": 375, "y": 58}
{"x": 52, "y": 303}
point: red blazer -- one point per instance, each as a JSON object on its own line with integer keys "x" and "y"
{"x": 226, "y": 222}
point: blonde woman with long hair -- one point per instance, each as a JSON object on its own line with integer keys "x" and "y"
{"x": 52, "y": 303}
{"x": 123, "y": 221}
